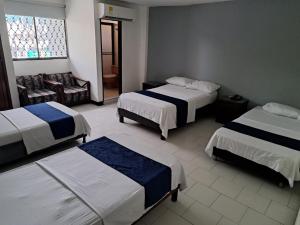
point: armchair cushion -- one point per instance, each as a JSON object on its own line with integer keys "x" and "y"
{"x": 69, "y": 80}
{"x": 38, "y": 82}
{"x": 75, "y": 94}
{"x": 75, "y": 90}
{"x": 32, "y": 90}
{"x": 43, "y": 95}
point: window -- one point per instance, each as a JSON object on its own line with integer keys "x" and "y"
{"x": 36, "y": 37}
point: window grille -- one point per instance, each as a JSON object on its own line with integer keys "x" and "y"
{"x": 36, "y": 37}
{"x": 21, "y": 33}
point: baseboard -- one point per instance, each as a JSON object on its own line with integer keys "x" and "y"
{"x": 97, "y": 103}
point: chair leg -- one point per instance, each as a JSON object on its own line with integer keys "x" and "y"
{"x": 84, "y": 139}
{"x": 121, "y": 119}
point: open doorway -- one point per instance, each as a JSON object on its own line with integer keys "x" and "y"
{"x": 111, "y": 58}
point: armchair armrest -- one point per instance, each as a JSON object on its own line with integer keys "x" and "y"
{"x": 23, "y": 95}
{"x": 57, "y": 87}
{"x": 81, "y": 82}
{"x": 84, "y": 83}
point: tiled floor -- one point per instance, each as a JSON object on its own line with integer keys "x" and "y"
{"x": 217, "y": 193}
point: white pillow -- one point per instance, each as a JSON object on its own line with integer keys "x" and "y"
{"x": 205, "y": 86}
{"x": 282, "y": 110}
{"x": 179, "y": 81}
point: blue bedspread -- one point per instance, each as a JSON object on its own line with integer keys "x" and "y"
{"x": 62, "y": 125}
{"x": 181, "y": 105}
{"x": 153, "y": 176}
{"x": 264, "y": 135}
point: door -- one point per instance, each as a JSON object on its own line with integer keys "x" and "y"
{"x": 111, "y": 56}
{"x": 5, "y": 99}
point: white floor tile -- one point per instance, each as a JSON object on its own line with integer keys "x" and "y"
{"x": 153, "y": 215}
{"x": 187, "y": 155}
{"x": 190, "y": 183}
{"x": 227, "y": 187}
{"x": 225, "y": 221}
{"x": 275, "y": 193}
{"x": 203, "y": 176}
{"x": 203, "y": 194}
{"x": 294, "y": 202}
{"x": 182, "y": 204}
{"x": 254, "y": 218}
{"x": 248, "y": 181}
{"x": 281, "y": 213}
{"x": 253, "y": 200}
{"x": 170, "y": 218}
{"x": 200, "y": 215}
{"x": 229, "y": 208}
{"x": 224, "y": 170}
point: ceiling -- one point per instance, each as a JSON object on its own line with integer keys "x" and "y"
{"x": 172, "y": 2}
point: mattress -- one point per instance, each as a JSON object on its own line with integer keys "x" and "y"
{"x": 73, "y": 187}
{"x": 164, "y": 113}
{"x": 8, "y": 133}
{"x": 275, "y": 156}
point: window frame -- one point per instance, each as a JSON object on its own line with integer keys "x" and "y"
{"x": 44, "y": 58}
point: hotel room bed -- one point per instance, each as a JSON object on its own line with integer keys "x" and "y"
{"x": 170, "y": 106}
{"x": 269, "y": 141}
{"x": 76, "y": 187}
{"x": 25, "y": 131}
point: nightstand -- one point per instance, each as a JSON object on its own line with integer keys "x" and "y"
{"x": 228, "y": 109}
{"x": 152, "y": 84}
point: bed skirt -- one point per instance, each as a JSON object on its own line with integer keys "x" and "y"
{"x": 251, "y": 166}
{"x": 16, "y": 151}
{"x": 123, "y": 113}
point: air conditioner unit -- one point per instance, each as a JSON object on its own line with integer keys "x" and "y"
{"x": 113, "y": 12}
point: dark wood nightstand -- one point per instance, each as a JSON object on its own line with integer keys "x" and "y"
{"x": 228, "y": 109}
{"x": 152, "y": 84}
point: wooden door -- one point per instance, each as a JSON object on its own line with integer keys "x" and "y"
{"x": 5, "y": 99}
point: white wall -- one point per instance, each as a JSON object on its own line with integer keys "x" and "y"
{"x": 8, "y": 58}
{"x": 45, "y": 8}
{"x": 135, "y": 45}
{"x": 33, "y": 67}
{"x": 82, "y": 35}
{"x": 134, "y": 48}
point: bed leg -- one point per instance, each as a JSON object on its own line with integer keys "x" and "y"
{"x": 174, "y": 195}
{"x": 121, "y": 119}
{"x": 84, "y": 139}
{"x": 162, "y": 137}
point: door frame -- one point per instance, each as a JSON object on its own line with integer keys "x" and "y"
{"x": 113, "y": 53}
{"x": 4, "y": 85}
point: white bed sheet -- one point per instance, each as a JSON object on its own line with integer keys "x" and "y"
{"x": 279, "y": 158}
{"x": 162, "y": 112}
{"x": 8, "y": 133}
{"x": 22, "y": 187}
{"x": 112, "y": 198}
{"x": 36, "y": 133}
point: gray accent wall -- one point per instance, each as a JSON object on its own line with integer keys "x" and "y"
{"x": 250, "y": 47}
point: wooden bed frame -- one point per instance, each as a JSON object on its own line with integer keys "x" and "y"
{"x": 123, "y": 113}
{"x": 250, "y": 166}
{"x": 16, "y": 151}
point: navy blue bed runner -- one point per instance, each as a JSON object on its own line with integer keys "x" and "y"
{"x": 153, "y": 176}
{"x": 181, "y": 105}
{"x": 62, "y": 125}
{"x": 264, "y": 135}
